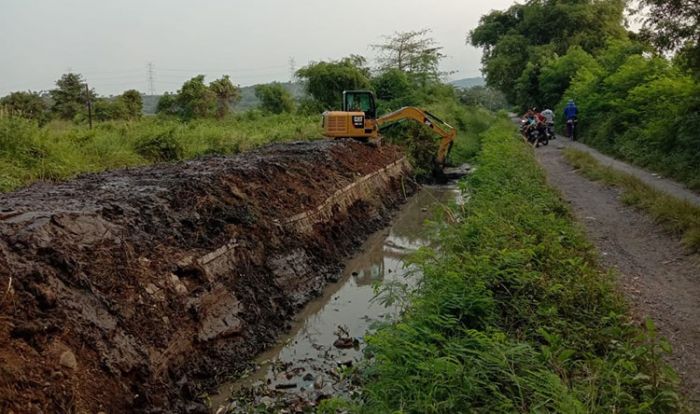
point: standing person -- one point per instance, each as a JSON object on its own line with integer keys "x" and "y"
{"x": 548, "y": 115}
{"x": 570, "y": 115}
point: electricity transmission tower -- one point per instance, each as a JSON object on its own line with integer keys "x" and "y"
{"x": 292, "y": 69}
{"x": 151, "y": 80}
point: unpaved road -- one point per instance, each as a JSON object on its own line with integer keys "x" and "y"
{"x": 654, "y": 180}
{"x": 658, "y": 277}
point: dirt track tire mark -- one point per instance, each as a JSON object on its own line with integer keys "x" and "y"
{"x": 657, "y": 276}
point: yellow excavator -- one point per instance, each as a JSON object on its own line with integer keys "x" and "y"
{"x": 358, "y": 119}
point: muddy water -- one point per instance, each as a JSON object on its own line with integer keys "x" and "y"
{"x": 329, "y": 332}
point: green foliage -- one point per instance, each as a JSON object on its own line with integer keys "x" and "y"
{"x": 60, "y": 150}
{"x": 70, "y": 96}
{"x": 105, "y": 109}
{"x": 274, "y": 98}
{"x": 678, "y": 216}
{"x": 25, "y": 104}
{"x": 226, "y": 93}
{"x": 133, "y": 103}
{"x": 326, "y": 81}
{"x": 518, "y": 42}
{"x": 309, "y": 106}
{"x": 125, "y": 106}
{"x": 195, "y": 99}
{"x": 506, "y": 61}
{"x": 556, "y": 76}
{"x": 159, "y": 148}
{"x": 393, "y": 86}
{"x": 513, "y": 314}
{"x": 470, "y": 122}
{"x": 167, "y": 104}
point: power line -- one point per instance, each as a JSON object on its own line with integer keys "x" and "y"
{"x": 229, "y": 70}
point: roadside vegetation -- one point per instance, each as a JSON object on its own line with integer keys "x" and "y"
{"x": 513, "y": 314}
{"x": 678, "y": 216}
{"x": 635, "y": 102}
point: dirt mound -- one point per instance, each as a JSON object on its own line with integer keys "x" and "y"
{"x": 133, "y": 290}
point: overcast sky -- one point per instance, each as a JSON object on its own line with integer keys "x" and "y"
{"x": 112, "y": 42}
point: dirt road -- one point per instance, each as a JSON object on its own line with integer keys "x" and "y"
{"x": 651, "y": 179}
{"x": 131, "y": 290}
{"x": 659, "y": 279}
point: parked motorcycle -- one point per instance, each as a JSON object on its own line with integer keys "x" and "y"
{"x": 534, "y": 133}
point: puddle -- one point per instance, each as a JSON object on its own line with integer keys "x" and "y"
{"x": 304, "y": 365}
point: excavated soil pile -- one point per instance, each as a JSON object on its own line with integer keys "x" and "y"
{"x": 133, "y": 290}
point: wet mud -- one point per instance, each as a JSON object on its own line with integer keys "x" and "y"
{"x": 140, "y": 290}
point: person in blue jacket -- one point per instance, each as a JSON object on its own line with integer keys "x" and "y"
{"x": 570, "y": 115}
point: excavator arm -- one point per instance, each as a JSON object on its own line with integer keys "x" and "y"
{"x": 442, "y": 128}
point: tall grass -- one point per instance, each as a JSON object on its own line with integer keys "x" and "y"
{"x": 677, "y": 216}
{"x": 61, "y": 150}
{"x": 513, "y": 313}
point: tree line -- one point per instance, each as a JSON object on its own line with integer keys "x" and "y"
{"x": 69, "y": 101}
{"x": 638, "y": 93}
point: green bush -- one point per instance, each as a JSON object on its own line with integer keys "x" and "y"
{"x": 161, "y": 147}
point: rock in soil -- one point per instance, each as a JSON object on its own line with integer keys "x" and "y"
{"x": 165, "y": 279}
{"x": 68, "y": 360}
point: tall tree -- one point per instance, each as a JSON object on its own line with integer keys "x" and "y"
{"x": 520, "y": 41}
{"x": 195, "y": 99}
{"x": 167, "y": 104}
{"x": 226, "y": 93}
{"x": 326, "y": 81}
{"x": 413, "y": 52}
{"x": 274, "y": 98}
{"x": 133, "y": 103}
{"x": 70, "y": 97}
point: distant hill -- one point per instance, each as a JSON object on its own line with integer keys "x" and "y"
{"x": 468, "y": 82}
{"x": 248, "y": 99}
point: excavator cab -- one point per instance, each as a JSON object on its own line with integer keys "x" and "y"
{"x": 357, "y": 119}
{"x": 360, "y": 101}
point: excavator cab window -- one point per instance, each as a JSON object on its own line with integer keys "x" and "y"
{"x": 360, "y": 101}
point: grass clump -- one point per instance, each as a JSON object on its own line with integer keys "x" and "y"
{"x": 677, "y": 216}
{"x": 513, "y": 313}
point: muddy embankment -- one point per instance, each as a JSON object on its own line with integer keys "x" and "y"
{"x": 135, "y": 289}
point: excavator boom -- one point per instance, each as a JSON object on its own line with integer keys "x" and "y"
{"x": 442, "y": 128}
